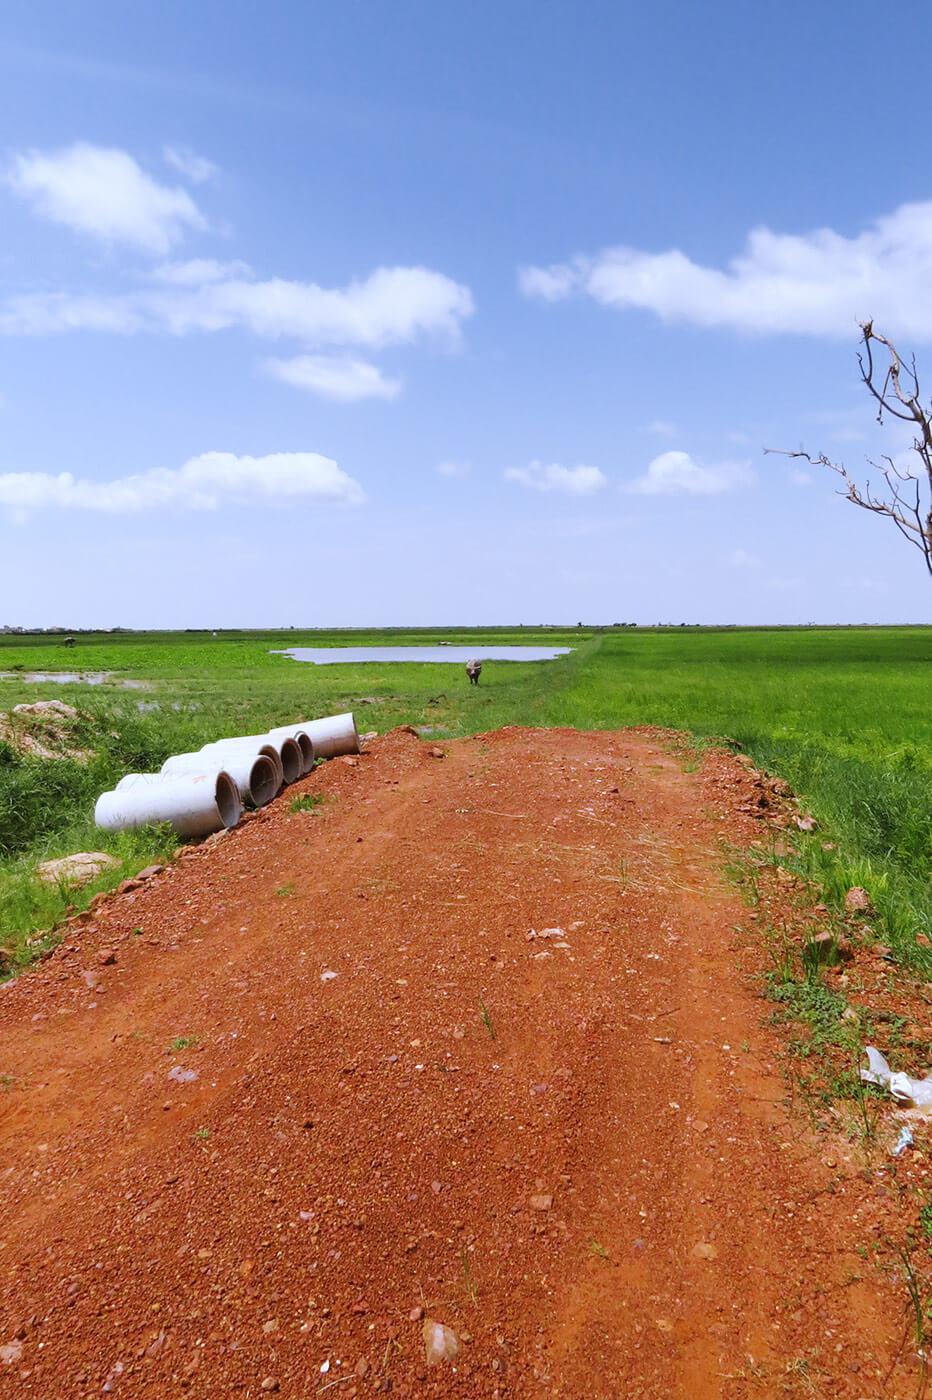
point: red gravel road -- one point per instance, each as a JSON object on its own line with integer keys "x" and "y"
{"x": 475, "y": 1042}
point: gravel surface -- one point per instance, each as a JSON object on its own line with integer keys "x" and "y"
{"x": 474, "y": 1045}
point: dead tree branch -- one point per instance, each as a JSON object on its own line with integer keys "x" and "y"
{"x": 906, "y": 497}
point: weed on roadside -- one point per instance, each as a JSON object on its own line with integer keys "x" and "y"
{"x": 307, "y": 802}
{"x": 485, "y": 1018}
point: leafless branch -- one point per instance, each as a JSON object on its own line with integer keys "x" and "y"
{"x": 896, "y": 393}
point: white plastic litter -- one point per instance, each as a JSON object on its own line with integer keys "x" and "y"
{"x": 905, "y": 1140}
{"x": 917, "y": 1093}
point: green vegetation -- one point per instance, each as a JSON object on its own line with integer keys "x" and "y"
{"x": 842, "y": 714}
{"x": 306, "y": 803}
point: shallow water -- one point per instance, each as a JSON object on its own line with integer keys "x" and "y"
{"x": 71, "y": 678}
{"x": 330, "y": 656}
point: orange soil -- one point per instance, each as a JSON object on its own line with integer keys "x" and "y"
{"x": 571, "y": 1148}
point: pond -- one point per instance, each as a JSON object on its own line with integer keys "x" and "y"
{"x": 329, "y": 656}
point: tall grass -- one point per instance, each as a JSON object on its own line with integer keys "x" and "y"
{"x": 842, "y": 714}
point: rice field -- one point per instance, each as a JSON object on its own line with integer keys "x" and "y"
{"x": 843, "y": 714}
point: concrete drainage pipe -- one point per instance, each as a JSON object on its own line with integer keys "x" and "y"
{"x": 331, "y": 736}
{"x": 255, "y": 774}
{"x": 268, "y": 748}
{"x": 195, "y": 804}
{"x": 288, "y": 751}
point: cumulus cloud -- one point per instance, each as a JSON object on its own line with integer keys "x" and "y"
{"x": 818, "y": 283}
{"x": 676, "y": 474}
{"x": 571, "y": 481}
{"x": 393, "y": 305}
{"x": 203, "y": 483}
{"x": 105, "y": 193}
{"x": 188, "y": 163}
{"x": 335, "y": 377}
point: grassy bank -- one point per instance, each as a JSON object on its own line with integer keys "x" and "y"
{"x": 842, "y": 714}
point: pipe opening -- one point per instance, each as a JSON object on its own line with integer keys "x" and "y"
{"x": 307, "y": 750}
{"x": 228, "y": 803}
{"x": 263, "y": 782}
{"x": 292, "y": 762}
{"x": 270, "y": 751}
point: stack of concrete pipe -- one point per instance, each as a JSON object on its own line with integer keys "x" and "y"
{"x": 203, "y": 792}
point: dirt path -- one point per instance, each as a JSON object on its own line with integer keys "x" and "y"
{"x": 477, "y": 1038}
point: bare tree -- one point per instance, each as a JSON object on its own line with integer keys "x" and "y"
{"x": 906, "y": 497}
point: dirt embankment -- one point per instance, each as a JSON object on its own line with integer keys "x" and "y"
{"x": 473, "y": 1042}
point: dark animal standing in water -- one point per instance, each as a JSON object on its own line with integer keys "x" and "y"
{"x": 474, "y": 671}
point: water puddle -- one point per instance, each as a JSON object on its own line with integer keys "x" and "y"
{"x": 72, "y": 678}
{"x": 331, "y": 656}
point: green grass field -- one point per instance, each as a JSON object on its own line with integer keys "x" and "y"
{"x": 842, "y": 714}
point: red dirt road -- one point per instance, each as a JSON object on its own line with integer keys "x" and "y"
{"x": 571, "y": 1148}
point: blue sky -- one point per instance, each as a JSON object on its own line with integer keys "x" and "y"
{"x": 385, "y": 313}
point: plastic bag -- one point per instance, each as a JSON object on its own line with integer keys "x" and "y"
{"x": 915, "y": 1092}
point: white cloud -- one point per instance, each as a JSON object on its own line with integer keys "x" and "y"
{"x": 818, "y": 283}
{"x": 740, "y": 559}
{"x": 199, "y": 270}
{"x": 662, "y": 428}
{"x": 105, "y": 193}
{"x": 676, "y": 474}
{"x": 203, "y": 483}
{"x": 800, "y": 478}
{"x": 450, "y": 468}
{"x": 335, "y": 377}
{"x": 571, "y": 481}
{"x": 188, "y": 163}
{"x": 393, "y": 305}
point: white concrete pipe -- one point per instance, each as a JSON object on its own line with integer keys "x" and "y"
{"x": 268, "y": 748}
{"x": 195, "y": 803}
{"x": 308, "y": 755}
{"x": 288, "y": 751}
{"x": 254, "y": 774}
{"x": 334, "y": 735}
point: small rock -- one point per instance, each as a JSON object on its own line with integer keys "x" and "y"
{"x": 436, "y": 753}
{"x": 858, "y": 901}
{"x": 805, "y": 823}
{"x": 362, "y": 1368}
{"x": 416, "y": 1314}
{"x": 543, "y": 1202}
{"x": 106, "y": 956}
{"x": 180, "y": 1075}
{"x": 440, "y": 1342}
{"x": 11, "y": 1353}
{"x": 703, "y": 1250}
{"x": 150, "y": 870}
{"x": 270, "y": 1383}
{"x": 76, "y": 870}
